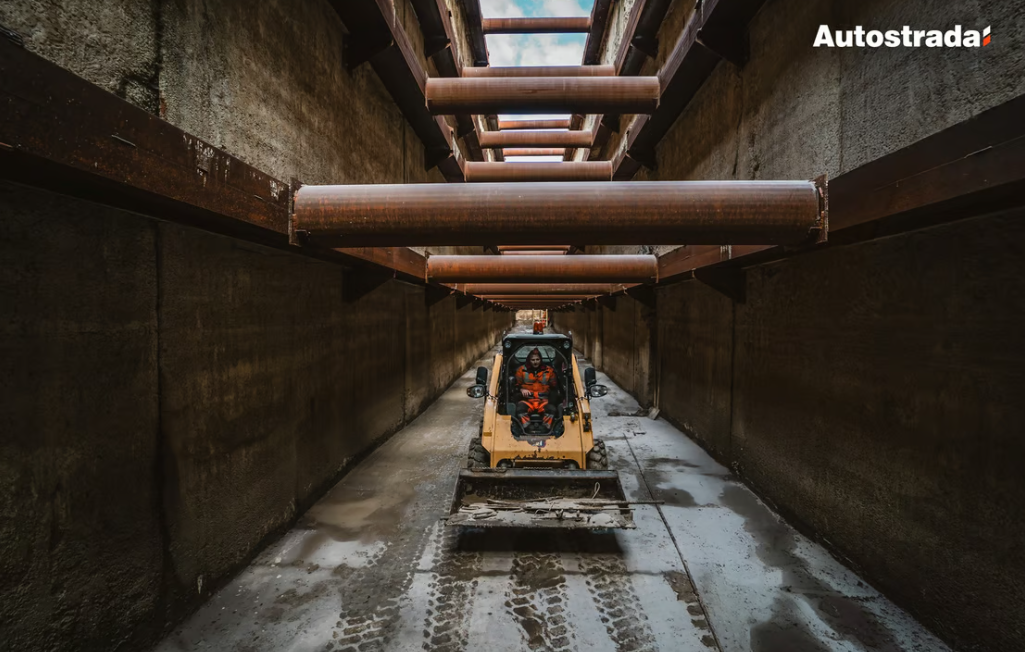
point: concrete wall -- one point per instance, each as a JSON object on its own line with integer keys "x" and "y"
{"x": 872, "y": 391}
{"x": 175, "y": 398}
{"x": 620, "y": 340}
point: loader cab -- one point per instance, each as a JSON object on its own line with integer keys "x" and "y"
{"x": 557, "y": 353}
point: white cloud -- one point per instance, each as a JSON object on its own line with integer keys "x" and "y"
{"x": 565, "y": 8}
{"x": 533, "y": 50}
{"x": 501, "y": 9}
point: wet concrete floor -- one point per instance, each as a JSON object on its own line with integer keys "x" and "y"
{"x": 372, "y": 566}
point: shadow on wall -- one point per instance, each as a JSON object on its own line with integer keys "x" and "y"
{"x": 176, "y": 399}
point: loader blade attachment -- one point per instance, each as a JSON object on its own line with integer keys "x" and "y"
{"x": 544, "y": 498}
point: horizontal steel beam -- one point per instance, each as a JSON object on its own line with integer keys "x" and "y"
{"x": 65, "y": 134}
{"x": 973, "y": 168}
{"x": 527, "y": 138}
{"x": 543, "y": 25}
{"x": 538, "y": 171}
{"x": 542, "y": 269}
{"x": 378, "y": 37}
{"x": 541, "y": 71}
{"x": 534, "y": 151}
{"x": 542, "y": 95}
{"x": 475, "y": 31}
{"x": 666, "y": 212}
{"x": 534, "y": 289}
{"x": 716, "y": 32}
{"x": 596, "y": 35}
{"x": 506, "y": 125}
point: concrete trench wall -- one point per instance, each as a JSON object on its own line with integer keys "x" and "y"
{"x": 175, "y": 398}
{"x": 870, "y": 391}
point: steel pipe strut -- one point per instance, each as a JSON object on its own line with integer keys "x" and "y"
{"x": 616, "y": 212}
{"x": 542, "y": 269}
{"x": 542, "y": 25}
{"x": 499, "y": 298}
{"x": 476, "y": 172}
{"x": 548, "y": 151}
{"x": 506, "y": 125}
{"x": 549, "y": 252}
{"x": 503, "y": 248}
{"x": 614, "y": 95}
{"x": 526, "y": 138}
{"x": 541, "y": 71}
{"x": 530, "y": 289}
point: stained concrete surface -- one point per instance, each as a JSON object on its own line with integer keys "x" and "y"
{"x": 871, "y": 392}
{"x": 175, "y": 400}
{"x": 372, "y": 567}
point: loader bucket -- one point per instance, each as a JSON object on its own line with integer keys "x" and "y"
{"x": 540, "y": 498}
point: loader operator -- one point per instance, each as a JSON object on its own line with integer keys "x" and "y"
{"x": 537, "y": 383}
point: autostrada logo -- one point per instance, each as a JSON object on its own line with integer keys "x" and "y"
{"x": 906, "y": 37}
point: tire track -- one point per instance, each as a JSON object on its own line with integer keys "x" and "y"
{"x": 619, "y": 608}
{"x": 374, "y": 595}
{"x": 537, "y": 601}
{"x": 452, "y": 588}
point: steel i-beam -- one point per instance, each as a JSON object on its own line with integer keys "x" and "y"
{"x": 619, "y": 95}
{"x": 541, "y": 71}
{"x": 481, "y": 214}
{"x": 542, "y": 269}
{"x": 538, "y": 171}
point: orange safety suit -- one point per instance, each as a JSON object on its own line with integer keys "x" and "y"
{"x": 539, "y": 382}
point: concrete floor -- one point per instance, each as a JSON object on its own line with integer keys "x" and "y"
{"x": 371, "y": 567}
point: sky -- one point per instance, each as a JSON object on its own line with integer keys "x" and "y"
{"x": 535, "y": 49}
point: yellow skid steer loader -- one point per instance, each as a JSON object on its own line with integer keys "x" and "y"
{"x": 536, "y": 462}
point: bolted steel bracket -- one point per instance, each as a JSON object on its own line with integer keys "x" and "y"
{"x": 296, "y": 237}
{"x": 822, "y": 186}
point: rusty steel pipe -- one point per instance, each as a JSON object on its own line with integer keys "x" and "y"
{"x": 530, "y": 289}
{"x": 528, "y": 138}
{"x": 616, "y": 212}
{"x": 534, "y": 152}
{"x": 614, "y": 95}
{"x": 536, "y": 304}
{"x": 476, "y": 172}
{"x": 541, "y": 71}
{"x": 542, "y": 25}
{"x": 502, "y": 248}
{"x": 500, "y": 298}
{"x": 542, "y": 269}
{"x": 534, "y": 253}
{"x": 506, "y": 125}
